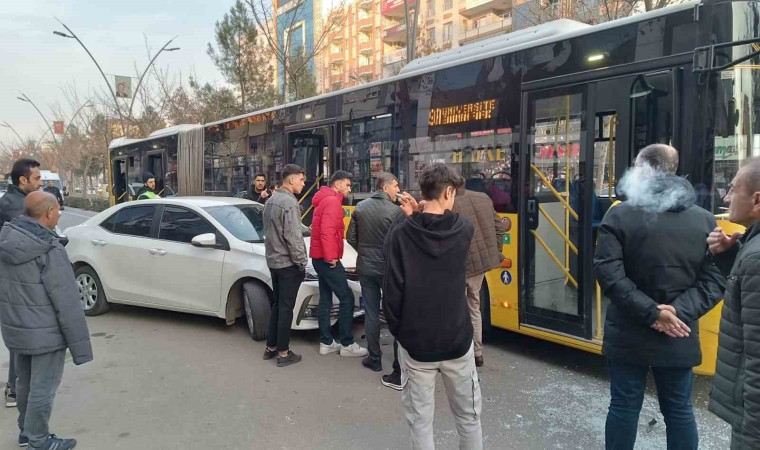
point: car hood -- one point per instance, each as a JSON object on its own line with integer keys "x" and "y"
{"x": 348, "y": 260}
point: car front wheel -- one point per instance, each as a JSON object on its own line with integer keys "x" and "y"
{"x": 90, "y": 291}
{"x": 257, "y": 310}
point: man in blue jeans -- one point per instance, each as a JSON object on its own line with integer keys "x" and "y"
{"x": 651, "y": 263}
{"x": 326, "y": 250}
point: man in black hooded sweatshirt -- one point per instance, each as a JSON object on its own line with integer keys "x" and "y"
{"x": 426, "y": 309}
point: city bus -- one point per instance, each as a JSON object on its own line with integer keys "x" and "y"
{"x": 544, "y": 120}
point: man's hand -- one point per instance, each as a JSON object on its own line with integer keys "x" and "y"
{"x": 409, "y": 205}
{"x": 669, "y": 323}
{"x": 334, "y": 263}
{"x": 265, "y": 193}
{"x": 719, "y": 242}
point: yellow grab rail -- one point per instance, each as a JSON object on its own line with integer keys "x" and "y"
{"x": 307, "y": 212}
{"x": 316, "y": 183}
{"x": 554, "y": 192}
{"x": 598, "y": 333}
{"x": 558, "y": 229}
{"x": 556, "y": 260}
{"x": 122, "y": 196}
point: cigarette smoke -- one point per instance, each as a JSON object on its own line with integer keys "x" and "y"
{"x": 655, "y": 191}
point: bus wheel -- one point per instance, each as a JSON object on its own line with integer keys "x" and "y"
{"x": 257, "y": 310}
{"x": 485, "y": 310}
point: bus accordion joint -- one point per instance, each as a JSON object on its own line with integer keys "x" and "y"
{"x": 506, "y": 263}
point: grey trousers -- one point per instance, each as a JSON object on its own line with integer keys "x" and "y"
{"x": 460, "y": 379}
{"x": 473, "y": 304}
{"x": 12, "y": 374}
{"x": 38, "y": 378}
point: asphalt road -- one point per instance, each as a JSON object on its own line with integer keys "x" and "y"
{"x": 165, "y": 380}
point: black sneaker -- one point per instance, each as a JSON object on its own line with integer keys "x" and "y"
{"x": 392, "y": 380}
{"x": 53, "y": 442}
{"x": 23, "y": 441}
{"x": 372, "y": 364}
{"x": 269, "y": 354}
{"x": 292, "y": 358}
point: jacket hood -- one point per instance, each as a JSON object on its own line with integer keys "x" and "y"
{"x": 433, "y": 233}
{"x": 656, "y": 193}
{"x": 23, "y": 240}
{"x": 323, "y": 193}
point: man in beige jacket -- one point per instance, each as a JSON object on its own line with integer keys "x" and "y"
{"x": 484, "y": 255}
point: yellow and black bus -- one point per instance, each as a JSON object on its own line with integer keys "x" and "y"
{"x": 543, "y": 120}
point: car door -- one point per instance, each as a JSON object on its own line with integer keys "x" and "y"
{"x": 185, "y": 276}
{"x": 121, "y": 251}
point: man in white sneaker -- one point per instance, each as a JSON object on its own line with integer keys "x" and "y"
{"x": 326, "y": 250}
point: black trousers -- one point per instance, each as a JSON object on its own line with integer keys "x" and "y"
{"x": 285, "y": 284}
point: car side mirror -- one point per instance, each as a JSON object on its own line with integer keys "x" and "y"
{"x": 206, "y": 240}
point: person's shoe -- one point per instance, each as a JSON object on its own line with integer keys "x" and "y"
{"x": 478, "y": 361}
{"x": 392, "y": 380}
{"x": 284, "y": 361}
{"x": 53, "y": 442}
{"x": 372, "y": 364}
{"x": 269, "y": 354}
{"x": 23, "y": 441}
{"x": 327, "y": 349}
{"x": 353, "y": 350}
{"x": 10, "y": 399}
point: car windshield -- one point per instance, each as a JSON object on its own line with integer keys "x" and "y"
{"x": 245, "y": 221}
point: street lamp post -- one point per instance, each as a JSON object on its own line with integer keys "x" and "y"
{"x": 24, "y": 98}
{"x": 71, "y": 35}
{"x": 86, "y": 104}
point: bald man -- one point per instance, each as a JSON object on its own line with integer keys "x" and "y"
{"x": 651, "y": 263}
{"x": 42, "y": 318}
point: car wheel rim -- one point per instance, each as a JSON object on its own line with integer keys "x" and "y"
{"x": 88, "y": 291}
{"x": 248, "y": 312}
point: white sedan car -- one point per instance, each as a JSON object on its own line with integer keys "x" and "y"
{"x": 201, "y": 255}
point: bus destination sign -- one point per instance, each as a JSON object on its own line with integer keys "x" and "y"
{"x": 450, "y": 115}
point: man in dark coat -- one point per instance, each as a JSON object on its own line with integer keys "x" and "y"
{"x": 53, "y": 190}
{"x": 735, "y": 395}
{"x": 651, "y": 263}
{"x": 40, "y": 315}
{"x": 259, "y": 192}
{"x": 26, "y": 178}
{"x": 369, "y": 226}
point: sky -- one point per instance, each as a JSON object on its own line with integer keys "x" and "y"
{"x": 39, "y": 63}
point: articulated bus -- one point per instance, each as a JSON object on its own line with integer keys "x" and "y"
{"x": 543, "y": 120}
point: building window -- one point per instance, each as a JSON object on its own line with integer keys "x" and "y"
{"x": 447, "y": 28}
{"x": 431, "y": 36}
{"x": 448, "y": 4}
{"x": 431, "y": 9}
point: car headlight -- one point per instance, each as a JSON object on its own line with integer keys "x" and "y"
{"x": 311, "y": 274}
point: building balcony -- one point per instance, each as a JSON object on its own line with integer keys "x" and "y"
{"x": 337, "y": 35}
{"x": 366, "y": 48}
{"x": 366, "y": 25}
{"x": 336, "y": 59}
{"x": 394, "y": 8}
{"x": 366, "y": 5}
{"x": 394, "y": 56}
{"x": 485, "y": 30}
{"x": 366, "y": 70}
{"x": 395, "y": 34}
{"x": 475, "y": 8}
{"x": 336, "y": 78}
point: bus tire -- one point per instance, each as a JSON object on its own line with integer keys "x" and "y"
{"x": 257, "y": 310}
{"x": 485, "y": 310}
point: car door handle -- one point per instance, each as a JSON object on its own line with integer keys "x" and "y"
{"x": 157, "y": 251}
{"x": 98, "y": 242}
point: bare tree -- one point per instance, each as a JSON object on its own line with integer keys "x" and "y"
{"x": 591, "y": 12}
{"x": 276, "y": 25}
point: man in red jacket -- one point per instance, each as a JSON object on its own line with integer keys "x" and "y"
{"x": 326, "y": 250}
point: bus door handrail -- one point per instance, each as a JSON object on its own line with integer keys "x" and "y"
{"x": 303, "y": 216}
{"x": 316, "y": 183}
{"x": 564, "y": 236}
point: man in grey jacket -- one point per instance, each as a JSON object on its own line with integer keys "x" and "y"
{"x": 735, "y": 394}
{"x": 42, "y": 318}
{"x": 286, "y": 257}
{"x": 26, "y": 178}
{"x": 369, "y": 225}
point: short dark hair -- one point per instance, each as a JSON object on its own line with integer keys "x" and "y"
{"x": 384, "y": 179}
{"x": 23, "y": 168}
{"x": 260, "y": 175}
{"x": 340, "y": 175}
{"x": 435, "y": 178}
{"x": 660, "y": 157}
{"x": 291, "y": 169}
